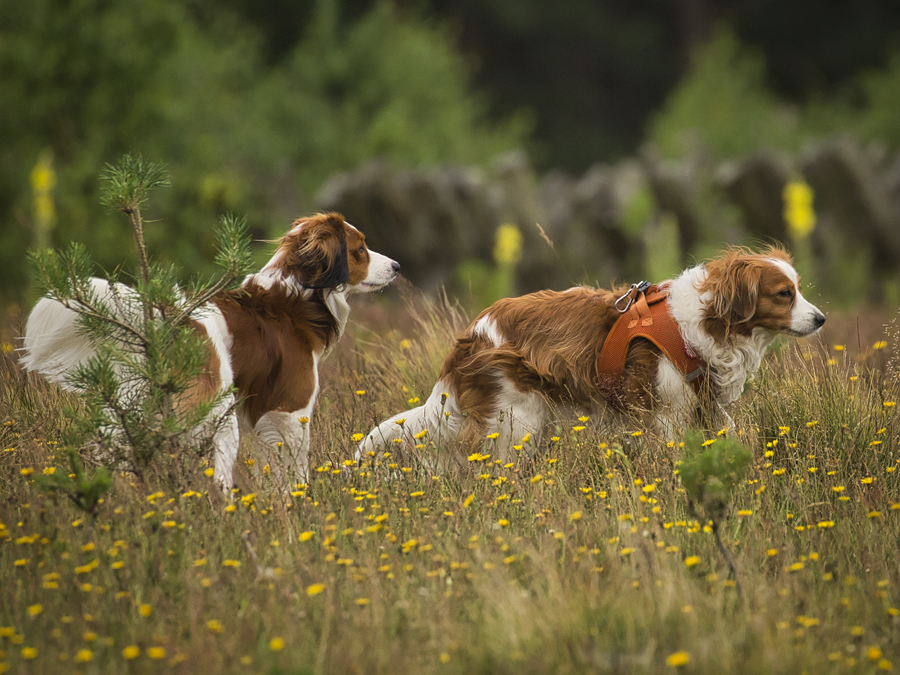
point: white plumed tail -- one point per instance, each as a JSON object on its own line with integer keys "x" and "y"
{"x": 54, "y": 344}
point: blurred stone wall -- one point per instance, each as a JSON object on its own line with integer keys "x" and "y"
{"x": 634, "y": 219}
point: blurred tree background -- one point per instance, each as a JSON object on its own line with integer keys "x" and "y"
{"x": 635, "y": 124}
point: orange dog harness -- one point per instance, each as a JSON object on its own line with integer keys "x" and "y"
{"x": 645, "y": 314}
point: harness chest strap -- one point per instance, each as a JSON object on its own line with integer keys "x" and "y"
{"x": 648, "y": 317}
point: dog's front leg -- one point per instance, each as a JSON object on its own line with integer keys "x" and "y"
{"x": 286, "y": 437}
{"x": 226, "y": 441}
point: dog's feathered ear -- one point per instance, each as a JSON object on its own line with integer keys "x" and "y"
{"x": 733, "y": 285}
{"x": 321, "y": 258}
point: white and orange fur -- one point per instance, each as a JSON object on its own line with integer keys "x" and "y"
{"x": 523, "y": 356}
{"x": 266, "y": 338}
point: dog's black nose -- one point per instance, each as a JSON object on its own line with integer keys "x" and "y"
{"x": 396, "y": 267}
{"x": 819, "y": 320}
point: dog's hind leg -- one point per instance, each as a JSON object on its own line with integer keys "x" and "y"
{"x": 430, "y": 425}
{"x": 226, "y": 441}
{"x": 286, "y": 437}
{"x": 520, "y": 417}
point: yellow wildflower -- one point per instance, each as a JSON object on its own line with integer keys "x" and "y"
{"x": 678, "y": 659}
{"x": 798, "y": 209}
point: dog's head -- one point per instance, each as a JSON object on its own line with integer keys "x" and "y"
{"x": 745, "y": 291}
{"x": 325, "y": 252}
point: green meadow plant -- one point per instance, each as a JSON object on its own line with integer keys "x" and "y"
{"x": 710, "y": 472}
{"x": 85, "y": 490}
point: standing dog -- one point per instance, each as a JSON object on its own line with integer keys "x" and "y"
{"x": 266, "y": 338}
{"x": 521, "y": 354}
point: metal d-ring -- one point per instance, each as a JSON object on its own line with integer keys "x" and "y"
{"x": 631, "y": 295}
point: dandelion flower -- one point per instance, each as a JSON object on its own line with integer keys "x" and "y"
{"x": 34, "y": 610}
{"x": 156, "y": 653}
{"x": 215, "y": 626}
{"x": 314, "y": 589}
{"x": 692, "y": 560}
{"x": 507, "y": 245}
{"x": 678, "y": 659}
{"x": 29, "y": 653}
{"x": 276, "y": 644}
{"x": 131, "y": 652}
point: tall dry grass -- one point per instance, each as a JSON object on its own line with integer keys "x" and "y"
{"x": 581, "y": 558}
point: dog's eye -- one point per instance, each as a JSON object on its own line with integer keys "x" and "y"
{"x": 361, "y": 250}
{"x": 786, "y": 293}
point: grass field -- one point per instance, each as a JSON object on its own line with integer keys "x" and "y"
{"x": 580, "y": 558}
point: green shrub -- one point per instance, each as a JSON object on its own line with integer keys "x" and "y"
{"x": 722, "y": 106}
{"x": 86, "y": 81}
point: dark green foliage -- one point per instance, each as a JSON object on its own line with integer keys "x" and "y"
{"x": 84, "y": 82}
